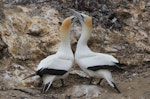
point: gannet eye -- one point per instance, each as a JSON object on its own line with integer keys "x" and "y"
{"x": 73, "y": 19}
{"x": 82, "y": 17}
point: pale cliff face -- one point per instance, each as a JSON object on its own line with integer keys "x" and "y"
{"x": 26, "y": 36}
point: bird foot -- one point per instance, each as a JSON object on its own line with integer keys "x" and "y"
{"x": 62, "y": 83}
{"x": 116, "y": 88}
{"x": 90, "y": 83}
{"x": 99, "y": 83}
{"x": 52, "y": 86}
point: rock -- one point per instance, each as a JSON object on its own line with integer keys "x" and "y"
{"x": 124, "y": 12}
{"x": 24, "y": 84}
{"x": 134, "y": 74}
{"x": 146, "y": 59}
{"x": 26, "y": 36}
{"x": 130, "y": 88}
{"x": 51, "y": 15}
{"x": 2, "y": 44}
{"x": 142, "y": 5}
{"x": 17, "y": 66}
{"x": 81, "y": 91}
{"x": 2, "y": 15}
{"x": 37, "y": 26}
{"x": 80, "y": 73}
{"x": 133, "y": 59}
{"x": 23, "y": 9}
{"x": 143, "y": 47}
{"x": 17, "y": 72}
{"x": 110, "y": 49}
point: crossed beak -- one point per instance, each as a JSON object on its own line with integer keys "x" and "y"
{"x": 77, "y": 14}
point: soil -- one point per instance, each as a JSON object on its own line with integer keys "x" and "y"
{"x": 133, "y": 85}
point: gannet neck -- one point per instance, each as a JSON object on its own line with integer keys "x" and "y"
{"x": 86, "y": 32}
{"x": 82, "y": 43}
{"x": 65, "y": 45}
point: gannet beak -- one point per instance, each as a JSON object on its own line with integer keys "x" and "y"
{"x": 77, "y": 14}
{"x": 85, "y": 20}
{"x": 74, "y": 19}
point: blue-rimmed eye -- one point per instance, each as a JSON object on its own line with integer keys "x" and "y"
{"x": 82, "y": 17}
{"x": 73, "y": 19}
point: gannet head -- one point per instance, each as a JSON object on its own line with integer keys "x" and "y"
{"x": 84, "y": 19}
{"x": 67, "y": 23}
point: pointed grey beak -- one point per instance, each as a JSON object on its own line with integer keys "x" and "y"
{"x": 77, "y": 14}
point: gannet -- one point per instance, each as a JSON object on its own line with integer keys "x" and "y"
{"x": 95, "y": 64}
{"x": 57, "y": 66}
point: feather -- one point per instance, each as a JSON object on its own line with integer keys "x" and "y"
{"x": 120, "y": 64}
{"x": 49, "y": 71}
{"x": 30, "y": 76}
{"x": 109, "y": 67}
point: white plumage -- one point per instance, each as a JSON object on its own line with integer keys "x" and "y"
{"x": 94, "y": 59}
{"x": 57, "y": 61}
{"x": 94, "y": 64}
{"x": 57, "y": 66}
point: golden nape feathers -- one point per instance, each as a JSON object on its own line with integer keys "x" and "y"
{"x": 66, "y": 25}
{"x": 88, "y": 22}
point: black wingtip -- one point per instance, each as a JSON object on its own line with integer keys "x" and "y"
{"x": 30, "y": 76}
{"x": 116, "y": 88}
{"x": 120, "y": 65}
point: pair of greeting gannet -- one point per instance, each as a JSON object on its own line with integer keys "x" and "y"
{"x": 57, "y": 66}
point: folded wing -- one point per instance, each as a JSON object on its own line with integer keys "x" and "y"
{"x": 55, "y": 66}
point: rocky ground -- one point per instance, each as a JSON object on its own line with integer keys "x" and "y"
{"x": 29, "y": 31}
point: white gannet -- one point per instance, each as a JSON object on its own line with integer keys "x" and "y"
{"x": 57, "y": 66}
{"x": 94, "y": 64}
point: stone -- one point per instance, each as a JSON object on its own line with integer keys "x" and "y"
{"x": 81, "y": 91}
{"x": 110, "y": 49}
{"x": 37, "y": 26}
{"x": 26, "y": 36}
{"x": 2, "y": 45}
{"x": 80, "y": 73}
{"x": 17, "y": 66}
{"x": 23, "y": 9}
{"x": 146, "y": 59}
